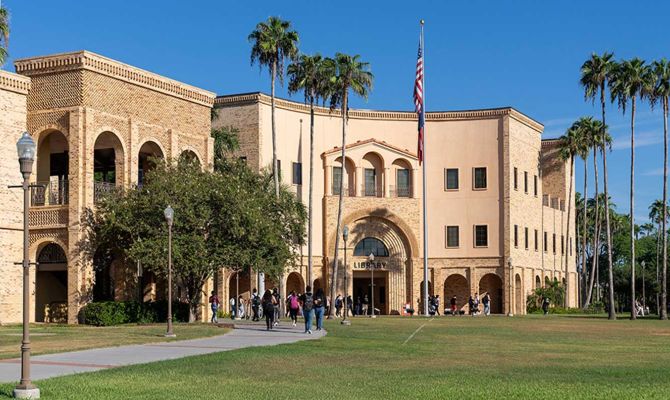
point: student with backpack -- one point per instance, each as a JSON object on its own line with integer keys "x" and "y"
{"x": 338, "y": 306}
{"x": 268, "y": 301}
{"x": 255, "y": 305}
{"x": 277, "y": 313}
{"x": 293, "y": 307}
{"x": 320, "y": 303}
{"x": 486, "y": 300}
{"x": 307, "y": 301}
{"x": 214, "y": 301}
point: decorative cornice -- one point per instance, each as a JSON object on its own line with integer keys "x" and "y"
{"x": 258, "y": 97}
{"x": 106, "y": 66}
{"x": 373, "y": 141}
{"x": 14, "y": 82}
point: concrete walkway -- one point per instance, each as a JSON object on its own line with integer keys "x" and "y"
{"x": 244, "y": 335}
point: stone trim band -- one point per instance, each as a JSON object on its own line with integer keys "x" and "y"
{"x": 14, "y": 83}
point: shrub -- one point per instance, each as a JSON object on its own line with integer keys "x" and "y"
{"x": 105, "y": 313}
{"x": 108, "y": 313}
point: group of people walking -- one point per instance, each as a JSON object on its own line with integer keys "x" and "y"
{"x": 359, "y": 307}
{"x": 474, "y": 303}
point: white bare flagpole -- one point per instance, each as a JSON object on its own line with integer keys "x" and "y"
{"x": 423, "y": 146}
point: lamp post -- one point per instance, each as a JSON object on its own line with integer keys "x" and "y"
{"x": 169, "y": 217}
{"x": 511, "y": 273}
{"x": 642, "y": 264}
{"x": 345, "y": 236}
{"x": 372, "y": 284}
{"x": 26, "y": 150}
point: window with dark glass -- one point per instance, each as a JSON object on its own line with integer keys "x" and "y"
{"x": 481, "y": 236}
{"x": 516, "y": 182}
{"x": 402, "y": 183}
{"x": 525, "y": 238}
{"x": 370, "y": 182}
{"x": 535, "y": 241}
{"x": 451, "y": 179}
{"x": 553, "y": 243}
{"x": 480, "y": 178}
{"x": 525, "y": 181}
{"x": 562, "y": 244}
{"x": 516, "y": 235}
{"x": 452, "y": 236}
{"x": 369, "y": 246}
{"x": 297, "y": 173}
{"x": 337, "y": 179}
{"x": 535, "y": 184}
{"x": 545, "y": 242}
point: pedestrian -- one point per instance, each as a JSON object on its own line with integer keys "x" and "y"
{"x": 275, "y": 294}
{"x": 293, "y": 307}
{"x": 471, "y": 306}
{"x": 437, "y": 304}
{"x": 240, "y": 307}
{"x": 431, "y": 305}
{"x": 350, "y": 305}
{"x": 545, "y": 305}
{"x": 358, "y": 307}
{"x": 338, "y": 306}
{"x": 487, "y": 303}
{"x": 319, "y": 308}
{"x": 476, "y": 303}
{"x": 255, "y": 305}
{"x": 214, "y": 301}
{"x": 268, "y": 301}
{"x": 364, "y": 304}
{"x": 307, "y": 302}
{"x": 453, "y": 305}
{"x": 232, "y": 307}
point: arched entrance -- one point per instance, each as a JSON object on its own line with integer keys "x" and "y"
{"x": 538, "y": 282}
{"x": 146, "y": 159}
{"x": 108, "y": 156}
{"x": 456, "y": 285}
{"x": 294, "y": 283}
{"x": 189, "y": 156}
{"x": 518, "y": 295}
{"x": 349, "y": 177}
{"x": 318, "y": 284}
{"x": 421, "y": 295}
{"x": 492, "y": 284}
{"x": 241, "y": 278}
{"x": 51, "y": 284}
{"x": 52, "y": 170}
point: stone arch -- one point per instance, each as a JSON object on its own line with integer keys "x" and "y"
{"x": 51, "y": 169}
{"x": 294, "y": 282}
{"x": 349, "y": 177}
{"x": 51, "y": 283}
{"x": 188, "y": 153}
{"x": 373, "y": 174}
{"x": 456, "y": 285}
{"x": 492, "y": 284}
{"x": 518, "y": 295}
{"x": 109, "y": 153}
{"x": 317, "y": 284}
{"x": 245, "y": 287}
{"x": 401, "y": 178}
{"x": 538, "y": 282}
{"x": 149, "y": 149}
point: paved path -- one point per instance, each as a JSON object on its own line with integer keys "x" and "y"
{"x": 246, "y": 335}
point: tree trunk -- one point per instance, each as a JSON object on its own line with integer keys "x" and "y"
{"x": 311, "y": 190}
{"x": 664, "y": 282}
{"x": 567, "y": 235}
{"x": 633, "y": 312}
{"x": 612, "y": 312}
{"x": 275, "y": 172}
{"x": 333, "y": 285}
{"x": 596, "y": 228}
{"x": 585, "y": 273}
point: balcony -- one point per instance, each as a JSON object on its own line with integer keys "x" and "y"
{"x": 347, "y": 192}
{"x": 371, "y": 191}
{"x": 51, "y": 193}
{"x": 102, "y": 189}
{"x": 400, "y": 191}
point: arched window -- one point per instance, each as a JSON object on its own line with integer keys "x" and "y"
{"x": 371, "y": 245}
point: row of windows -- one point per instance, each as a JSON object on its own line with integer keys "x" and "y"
{"x": 535, "y": 241}
{"x": 480, "y": 236}
{"x": 525, "y": 181}
{"x": 451, "y": 178}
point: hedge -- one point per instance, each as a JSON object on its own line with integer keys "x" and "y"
{"x": 108, "y": 313}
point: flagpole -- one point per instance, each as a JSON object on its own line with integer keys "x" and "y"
{"x": 423, "y": 146}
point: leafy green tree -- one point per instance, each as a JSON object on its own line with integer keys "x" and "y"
{"x": 4, "y": 34}
{"x": 595, "y": 75}
{"x": 662, "y": 92}
{"x": 311, "y": 75}
{"x": 349, "y": 74}
{"x": 632, "y": 79}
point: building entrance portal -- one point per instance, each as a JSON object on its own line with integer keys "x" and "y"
{"x": 362, "y": 286}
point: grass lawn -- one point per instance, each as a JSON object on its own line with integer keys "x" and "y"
{"x": 46, "y": 338}
{"x": 556, "y": 357}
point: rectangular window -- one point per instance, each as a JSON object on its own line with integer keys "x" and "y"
{"x": 570, "y": 246}
{"x": 337, "y": 179}
{"x": 452, "y": 236}
{"x": 480, "y": 178}
{"x": 525, "y": 237}
{"x": 516, "y": 235}
{"x": 553, "y": 243}
{"x": 481, "y": 235}
{"x": 525, "y": 182}
{"x": 370, "y": 182}
{"x": 545, "y": 241}
{"x": 535, "y": 242}
{"x": 535, "y": 185}
{"x": 297, "y": 173}
{"x": 451, "y": 179}
{"x": 562, "y": 244}
{"x": 402, "y": 183}
{"x": 516, "y": 179}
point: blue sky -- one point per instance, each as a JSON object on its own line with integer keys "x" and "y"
{"x": 479, "y": 54}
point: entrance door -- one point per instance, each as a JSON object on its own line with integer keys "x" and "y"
{"x": 362, "y": 286}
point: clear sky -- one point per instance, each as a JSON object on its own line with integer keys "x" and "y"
{"x": 479, "y": 54}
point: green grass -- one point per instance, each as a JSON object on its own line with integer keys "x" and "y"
{"x": 556, "y": 357}
{"x": 47, "y": 338}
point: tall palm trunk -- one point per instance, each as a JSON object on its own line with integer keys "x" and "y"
{"x": 658, "y": 259}
{"x": 633, "y": 311}
{"x": 567, "y": 235}
{"x": 311, "y": 189}
{"x": 275, "y": 167}
{"x": 664, "y": 282}
{"x": 612, "y": 312}
{"x": 596, "y": 228}
{"x": 333, "y": 285}
{"x": 585, "y": 274}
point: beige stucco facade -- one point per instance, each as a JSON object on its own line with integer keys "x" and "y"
{"x": 381, "y": 148}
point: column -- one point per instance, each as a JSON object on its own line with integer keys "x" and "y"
{"x": 327, "y": 178}
{"x": 359, "y": 181}
{"x": 387, "y": 178}
{"x": 414, "y": 183}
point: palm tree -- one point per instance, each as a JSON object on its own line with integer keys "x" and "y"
{"x": 350, "y": 74}
{"x": 662, "y": 92}
{"x": 4, "y": 33}
{"x": 595, "y": 74}
{"x": 273, "y": 43}
{"x": 631, "y": 79}
{"x": 571, "y": 144}
{"x": 310, "y": 75}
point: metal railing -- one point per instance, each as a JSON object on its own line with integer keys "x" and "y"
{"x": 370, "y": 191}
{"x": 49, "y": 193}
{"x": 400, "y": 191}
{"x": 101, "y": 189}
{"x": 345, "y": 190}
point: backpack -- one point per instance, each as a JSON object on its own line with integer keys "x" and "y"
{"x": 256, "y": 300}
{"x": 308, "y": 304}
{"x": 294, "y": 303}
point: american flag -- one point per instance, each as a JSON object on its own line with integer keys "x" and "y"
{"x": 418, "y": 99}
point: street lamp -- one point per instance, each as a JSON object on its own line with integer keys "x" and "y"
{"x": 25, "y": 148}
{"x": 169, "y": 217}
{"x": 345, "y": 236}
{"x": 372, "y": 284}
{"x": 511, "y": 273}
